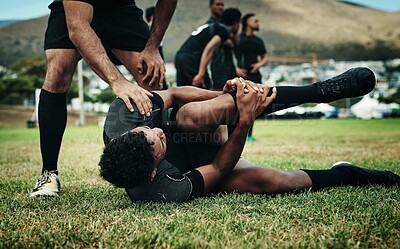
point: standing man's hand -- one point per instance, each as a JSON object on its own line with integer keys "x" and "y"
{"x": 128, "y": 91}
{"x": 240, "y": 72}
{"x": 151, "y": 67}
{"x": 150, "y": 62}
{"x": 255, "y": 68}
{"x": 198, "y": 81}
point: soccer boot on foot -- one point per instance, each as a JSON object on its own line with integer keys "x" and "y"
{"x": 354, "y": 82}
{"x": 48, "y": 184}
{"x": 368, "y": 176}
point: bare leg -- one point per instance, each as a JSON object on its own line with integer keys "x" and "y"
{"x": 248, "y": 178}
{"x": 203, "y": 116}
{"x": 61, "y": 64}
{"x": 130, "y": 60}
{"x": 207, "y": 115}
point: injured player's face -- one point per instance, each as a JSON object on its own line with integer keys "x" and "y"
{"x": 157, "y": 140}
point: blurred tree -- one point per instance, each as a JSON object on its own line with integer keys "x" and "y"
{"x": 27, "y": 74}
{"x": 20, "y": 81}
{"x": 33, "y": 66}
{"x": 73, "y": 92}
{"x": 106, "y": 96}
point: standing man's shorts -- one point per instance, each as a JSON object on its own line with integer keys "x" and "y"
{"x": 119, "y": 27}
{"x": 187, "y": 66}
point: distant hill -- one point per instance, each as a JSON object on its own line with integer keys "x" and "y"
{"x": 4, "y": 23}
{"x": 290, "y": 28}
{"x": 22, "y": 39}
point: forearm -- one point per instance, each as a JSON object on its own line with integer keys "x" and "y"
{"x": 87, "y": 42}
{"x": 185, "y": 94}
{"x": 226, "y": 159}
{"x": 205, "y": 60}
{"x": 264, "y": 60}
{"x": 95, "y": 56}
{"x": 164, "y": 11}
{"x": 230, "y": 153}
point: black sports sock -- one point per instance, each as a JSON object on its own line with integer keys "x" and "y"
{"x": 289, "y": 96}
{"x": 52, "y": 122}
{"x": 329, "y": 178}
{"x": 351, "y": 175}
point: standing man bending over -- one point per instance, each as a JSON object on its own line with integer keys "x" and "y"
{"x": 79, "y": 28}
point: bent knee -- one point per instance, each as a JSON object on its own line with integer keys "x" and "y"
{"x": 61, "y": 66}
{"x": 187, "y": 117}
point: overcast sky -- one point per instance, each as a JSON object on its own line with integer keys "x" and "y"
{"x": 27, "y": 9}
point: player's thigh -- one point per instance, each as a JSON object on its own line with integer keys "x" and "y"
{"x": 130, "y": 60}
{"x": 61, "y": 65}
{"x": 249, "y": 178}
{"x": 204, "y": 116}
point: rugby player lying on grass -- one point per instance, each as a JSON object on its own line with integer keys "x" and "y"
{"x": 164, "y": 157}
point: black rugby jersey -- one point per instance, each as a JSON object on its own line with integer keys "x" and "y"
{"x": 248, "y": 50}
{"x": 202, "y": 35}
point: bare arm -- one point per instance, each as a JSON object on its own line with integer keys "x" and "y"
{"x": 150, "y": 61}
{"x": 79, "y": 16}
{"x": 260, "y": 64}
{"x": 185, "y": 94}
{"x": 206, "y": 56}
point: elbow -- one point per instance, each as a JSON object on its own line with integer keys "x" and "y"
{"x": 73, "y": 31}
{"x": 77, "y": 29}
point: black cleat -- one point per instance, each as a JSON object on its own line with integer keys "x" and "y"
{"x": 354, "y": 82}
{"x": 363, "y": 176}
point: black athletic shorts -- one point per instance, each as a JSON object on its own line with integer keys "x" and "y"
{"x": 221, "y": 73}
{"x": 187, "y": 66}
{"x": 256, "y": 77}
{"x": 120, "y": 27}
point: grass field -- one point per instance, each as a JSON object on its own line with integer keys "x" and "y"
{"x": 91, "y": 213}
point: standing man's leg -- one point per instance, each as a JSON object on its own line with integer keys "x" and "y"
{"x": 61, "y": 64}
{"x": 62, "y": 58}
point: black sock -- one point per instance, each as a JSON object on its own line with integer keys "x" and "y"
{"x": 330, "y": 178}
{"x": 289, "y": 96}
{"x": 52, "y": 122}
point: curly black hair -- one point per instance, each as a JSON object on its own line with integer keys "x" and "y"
{"x": 127, "y": 161}
{"x": 230, "y": 16}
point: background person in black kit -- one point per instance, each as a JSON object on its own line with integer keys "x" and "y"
{"x": 149, "y": 18}
{"x": 195, "y": 54}
{"x": 222, "y": 66}
{"x": 78, "y": 29}
{"x": 216, "y": 9}
{"x": 154, "y": 164}
{"x": 250, "y": 54}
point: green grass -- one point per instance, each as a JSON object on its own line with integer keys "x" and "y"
{"x": 91, "y": 213}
